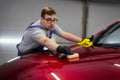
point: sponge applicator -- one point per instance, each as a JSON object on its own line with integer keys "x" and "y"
{"x": 73, "y": 56}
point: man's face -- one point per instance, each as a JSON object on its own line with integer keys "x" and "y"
{"x": 49, "y": 21}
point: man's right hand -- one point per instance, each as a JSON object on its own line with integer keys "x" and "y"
{"x": 65, "y": 50}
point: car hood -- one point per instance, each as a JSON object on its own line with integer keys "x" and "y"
{"x": 95, "y": 63}
{"x": 92, "y": 65}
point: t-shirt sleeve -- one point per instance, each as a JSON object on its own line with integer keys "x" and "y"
{"x": 37, "y": 33}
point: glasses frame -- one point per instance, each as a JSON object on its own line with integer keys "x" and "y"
{"x": 49, "y": 20}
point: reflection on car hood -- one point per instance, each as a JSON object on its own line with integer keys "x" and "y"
{"x": 45, "y": 67}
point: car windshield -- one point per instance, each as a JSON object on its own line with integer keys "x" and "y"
{"x": 110, "y": 37}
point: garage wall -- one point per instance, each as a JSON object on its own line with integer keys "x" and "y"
{"x": 101, "y": 14}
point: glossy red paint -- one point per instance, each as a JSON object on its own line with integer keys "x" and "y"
{"x": 92, "y": 65}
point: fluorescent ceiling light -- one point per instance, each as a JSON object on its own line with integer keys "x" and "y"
{"x": 118, "y": 65}
{"x": 55, "y": 76}
{"x": 13, "y": 59}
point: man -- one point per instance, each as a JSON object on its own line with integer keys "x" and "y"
{"x": 38, "y": 35}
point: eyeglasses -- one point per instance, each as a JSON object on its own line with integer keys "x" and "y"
{"x": 49, "y": 20}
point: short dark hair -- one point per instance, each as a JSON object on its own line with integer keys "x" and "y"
{"x": 48, "y": 11}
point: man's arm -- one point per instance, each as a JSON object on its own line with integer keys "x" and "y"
{"x": 53, "y": 46}
{"x": 70, "y": 37}
{"x": 47, "y": 42}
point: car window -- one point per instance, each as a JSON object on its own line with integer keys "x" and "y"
{"x": 110, "y": 37}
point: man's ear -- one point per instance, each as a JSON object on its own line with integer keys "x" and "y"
{"x": 41, "y": 18}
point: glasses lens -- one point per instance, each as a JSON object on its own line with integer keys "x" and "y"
{"x": 50, "y": 20}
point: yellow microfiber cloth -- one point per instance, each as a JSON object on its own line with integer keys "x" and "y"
{"x": 85, "y": 43}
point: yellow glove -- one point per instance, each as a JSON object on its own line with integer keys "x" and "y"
{"x": 85, "y": 43}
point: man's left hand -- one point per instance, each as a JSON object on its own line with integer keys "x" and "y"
{"x": 85, "y": 43}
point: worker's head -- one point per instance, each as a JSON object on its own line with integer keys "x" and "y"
{"x": 48, "y": 17}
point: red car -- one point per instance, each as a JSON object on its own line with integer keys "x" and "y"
{"x": 99, "y": 62}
